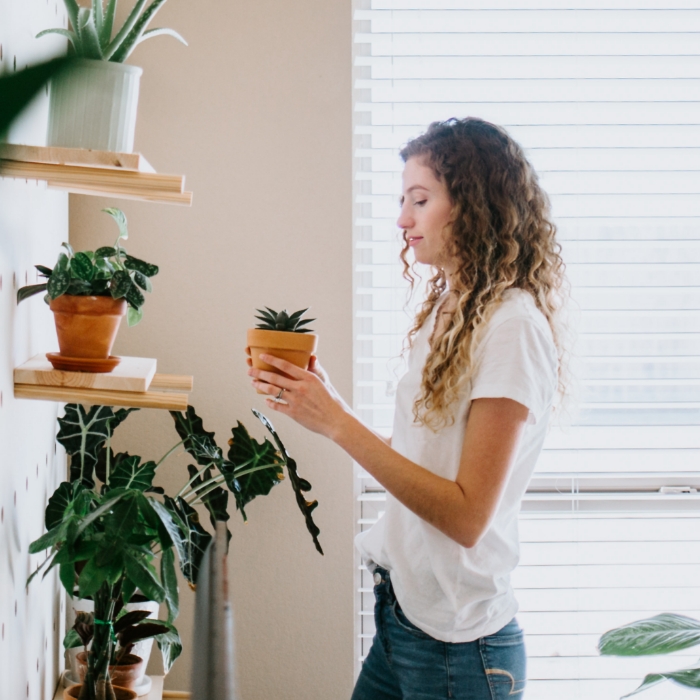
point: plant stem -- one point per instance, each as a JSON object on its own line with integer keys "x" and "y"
{"x": 168, "y": 453}
{"x": 193, "y": 479}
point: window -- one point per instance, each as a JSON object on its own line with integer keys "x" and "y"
{"x": 605, "y": 98}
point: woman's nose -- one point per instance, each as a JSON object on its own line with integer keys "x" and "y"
{"x": 404, "y": 221}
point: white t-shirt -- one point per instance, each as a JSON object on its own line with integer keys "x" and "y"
{"x": 454, "y": 593}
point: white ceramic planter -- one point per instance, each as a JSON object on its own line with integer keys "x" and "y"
{"x": 94, "y": 106}
{"x": 142, "y": 648}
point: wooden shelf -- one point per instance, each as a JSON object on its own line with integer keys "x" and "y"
{"x": 131, "y": 383}
{"x": 82, "y": 171}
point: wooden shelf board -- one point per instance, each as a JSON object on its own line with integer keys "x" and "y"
{"x": 106, "y": 397}
{"x": 75, "y": 156}
{"x": 131, "y": 374}
{"x": 91, "y": 177}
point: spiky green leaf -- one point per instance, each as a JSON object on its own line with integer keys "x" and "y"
{"x": 132, "y": 38}
{"x": 118, "y": 40}
{"x": 161, "y": 31}
{"x": 199, "y": 442}
{"x": 89, "y": 41}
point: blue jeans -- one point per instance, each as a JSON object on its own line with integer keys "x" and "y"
{"x": 405, "y": 663}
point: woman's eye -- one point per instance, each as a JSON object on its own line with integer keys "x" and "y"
{"x": 421, "y": 202}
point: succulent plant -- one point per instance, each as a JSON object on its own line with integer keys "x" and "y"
{"x": 91, "y": 33}
{"x": 283, "y": 321}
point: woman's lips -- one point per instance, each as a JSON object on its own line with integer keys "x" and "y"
{"x": 414, "y": 239}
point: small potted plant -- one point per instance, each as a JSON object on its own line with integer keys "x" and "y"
{"x": 283, "y": 335}
{"x": 89, "y": 293}
{"x": 94, "y": 105}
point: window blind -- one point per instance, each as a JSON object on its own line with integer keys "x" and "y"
{"x": 605, "y": 98}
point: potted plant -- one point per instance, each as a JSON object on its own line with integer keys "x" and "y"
{"x": 283, "y": 335}
{"x": 94, "y": 105}
{"x": 106, "y": 525}
{"x": 89, "y": 293}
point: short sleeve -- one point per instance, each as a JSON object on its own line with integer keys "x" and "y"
{"x": 517, "y": 360}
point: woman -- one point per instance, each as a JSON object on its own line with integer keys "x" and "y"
{"x": 471, "y": 417}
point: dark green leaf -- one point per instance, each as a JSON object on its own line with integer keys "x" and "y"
{"x": 45, "y": 271}
{"x": 66, "y": 573}
{"x": 18, "y": 89}
{"x": 83, "y": 435}
{"x": 81, "y": 267}
{"x": 143, "y": 281}
{"x": 58, "y": 283}
{"x": 193, "y": 538}
{"x": 128, "y": 590}
{"x": 143, "y": 575}
{"x": 145, "y": 630}
{"x": 170, "y": 647}
{"x": 197, "y": 441}
{"x": 134, "y": 297}
{"x": 120, "y": 284}
{"x": 141, "y": 266}
{"x": 298, "y": 484}
{"x": 58, "y": 503}
{"x": 126, "y": 619}
{"x": 106, "y": 252}
{"x": 30, "y": 290}
{"x": 169, "y": 581}
{"x": 48, "y": 539}
{"x": 91, "y": 578}
{"x": 245, "y": 453}
{"x": 662, "y": 634}
{"x": 78, "y": 287}
{"x": 128, "y": 473}
{"x": 689, "y": 677}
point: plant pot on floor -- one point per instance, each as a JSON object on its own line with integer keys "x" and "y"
{"x": 86, "y": 327}
{"x": 94, "y": 106}
{"x": 127, "y": 674}
{"x": 142, "y": 648}
{"x": 73, "y": 693}
{"x": 296, "y": 348}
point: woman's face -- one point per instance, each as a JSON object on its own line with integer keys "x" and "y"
{"x": 426, "y": 213}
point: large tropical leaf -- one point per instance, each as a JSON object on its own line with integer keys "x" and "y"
{"x": 261, "y": 458}
{"x": 198, "y": 442}
{"x": 689, "y": 677}
{"x": 169, "y": 581}
{"x": 661, "y": 634}
{"x": 193, "y": 538}
{"x": 129, "y": 473}
{"x": 299, "y": 485}
{"x": 58, "y": 504}
{"x": 83, "y": 434}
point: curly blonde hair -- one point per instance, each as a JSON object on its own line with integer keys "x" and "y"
{"x": 501, "y": 237}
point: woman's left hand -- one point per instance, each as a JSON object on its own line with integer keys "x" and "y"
{"x": 304, "y": 396}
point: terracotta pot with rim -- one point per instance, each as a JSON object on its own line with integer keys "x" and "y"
{"x": 73, "y": 693}
{"x": 296, "y": 348}
{"x": 127, "y": 674}
{"x": 86, "y": 327}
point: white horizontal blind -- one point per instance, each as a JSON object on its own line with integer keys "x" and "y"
{"x": 605, "y": 99}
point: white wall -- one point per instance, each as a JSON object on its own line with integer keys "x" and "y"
{"x": 33, "y": 223}
{"x": 257, "y": 114}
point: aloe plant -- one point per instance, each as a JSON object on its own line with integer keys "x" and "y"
{"x": 92, "y": 28}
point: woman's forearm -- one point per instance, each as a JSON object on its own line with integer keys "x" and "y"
{"x": 438, "y": 501}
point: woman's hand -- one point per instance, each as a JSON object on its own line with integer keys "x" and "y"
{"x": 307, "y": 396}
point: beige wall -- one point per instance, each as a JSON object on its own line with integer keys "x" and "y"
{"x": 257, "y": 113}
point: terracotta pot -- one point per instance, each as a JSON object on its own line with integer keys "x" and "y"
{"x": 73, "y": 692}
{"x": 127, "y": 674}
{"x": 87, "y": 326}
{"x": 296, "y": 348}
